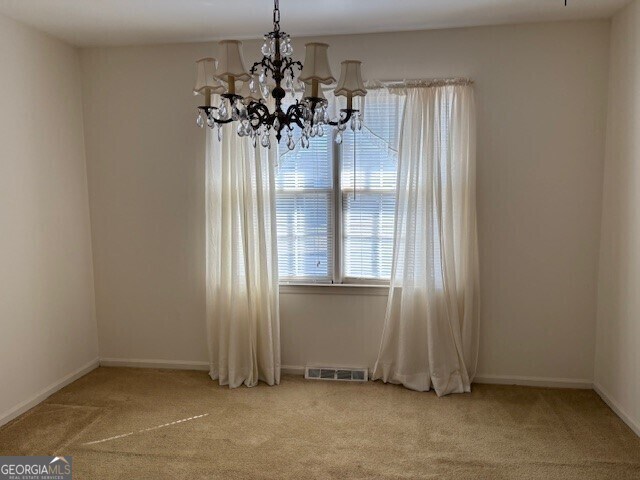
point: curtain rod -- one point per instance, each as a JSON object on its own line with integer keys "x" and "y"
{"x": 418, "y": 83}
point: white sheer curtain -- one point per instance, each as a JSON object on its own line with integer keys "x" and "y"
{"x": 242, "y": 266}
{"x": 430, "y": 337}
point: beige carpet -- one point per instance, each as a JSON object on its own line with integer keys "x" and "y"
{"x": 320, "y": 430}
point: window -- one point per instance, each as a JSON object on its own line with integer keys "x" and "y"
{"x": 334, "y": 226}
{"x": 305, "y": 212}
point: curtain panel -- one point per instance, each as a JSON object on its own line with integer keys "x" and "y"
{"x": 430, "y": 337}
{"x": 242, "y": 268}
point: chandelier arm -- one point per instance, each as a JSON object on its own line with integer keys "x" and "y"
{"x": 208, "y": 111}
{"x": 223, "y": 121}
{"x": 290, "y": 65}
{"x": 295, "y": 114}
{"x": 260, "y": 112}
{"x": 265, "y": 63}
{"x": 348, "y": 113}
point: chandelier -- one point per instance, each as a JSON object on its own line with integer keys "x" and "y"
{"x": 245, "y": 94}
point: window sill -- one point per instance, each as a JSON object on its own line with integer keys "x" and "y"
{"x": 333, "y": 289}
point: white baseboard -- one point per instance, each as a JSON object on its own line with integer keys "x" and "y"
{"x": 28, "y": 404}
{"x": 534, "y": 381}
{"x": 162, "y": 364}
{"x": 299, "y": 370}
{"x": 292, "y": 370}
{"x": 178, "y": 365}
{"x": 613, "y": 405}
{"x": 494, "y": 379}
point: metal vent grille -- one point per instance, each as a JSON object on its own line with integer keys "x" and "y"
{"x": 339, "y": 374}
{"x": 327, "y": 373}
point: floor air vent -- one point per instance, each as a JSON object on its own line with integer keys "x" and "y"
{"x": 340, "y": 374}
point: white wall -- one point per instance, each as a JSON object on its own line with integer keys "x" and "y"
{"x": 617, "y": 370}
{"x": 47, "y": 312}
{"x": 541, "y": 92}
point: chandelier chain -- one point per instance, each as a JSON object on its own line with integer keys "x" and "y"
{"x": 276, "y": 15}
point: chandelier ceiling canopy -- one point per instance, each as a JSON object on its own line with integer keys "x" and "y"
{"x": 245, "y": 93}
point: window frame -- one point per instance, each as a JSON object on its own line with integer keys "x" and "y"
{"x": 339, "y": 234}
{"x": 337, "y": 225}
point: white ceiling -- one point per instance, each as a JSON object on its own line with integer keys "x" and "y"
{"x": 129, "y": 22}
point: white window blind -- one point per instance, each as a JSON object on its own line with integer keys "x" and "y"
{"x": 368, "y": 184}
{"x": 304, "y": 208}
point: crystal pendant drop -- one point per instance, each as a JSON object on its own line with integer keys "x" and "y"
{"x": 222, "y": 111}
{"x": 252, "y": 85}
{"x": 314, "y": 130}
{"x": 241, "y": 130}
{"x": 264, "y": 141}
{"x": 210, "y": 121}
{"x": 304, "y": 141}
{"x": 291, "y": 144}
{"x": 288, "y": 82}
{"x": 276, "y": 124}
{"x": 262, "y": 78}
{"x": 219, "y": 132}
{"x": 321, "y": 131}
{"x": 286, "y": 48}
{"x": 266, "y": 47}
{"x": 339, "y": 137}
{"x": 255, "y": 141}
{"x": 264, "y": 91}
{"x": 200, "y": 120}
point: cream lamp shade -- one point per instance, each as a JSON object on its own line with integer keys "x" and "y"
{"x": 350, "y": 83}
{"x": 316, "y": 64}
{"x": 231, "y": 61}
{"x": 206, "y": 77}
